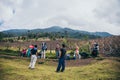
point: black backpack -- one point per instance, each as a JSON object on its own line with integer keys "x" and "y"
{"x": 33, "y": 51}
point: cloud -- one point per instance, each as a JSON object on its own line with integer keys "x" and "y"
{"x": 109, "y": 11}
{"x": 5, "y": 12}
{"x": 1, "y": 22}
{"x": 88, "y": 15}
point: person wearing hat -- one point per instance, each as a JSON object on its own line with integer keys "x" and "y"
{"x": 29, "y": 50}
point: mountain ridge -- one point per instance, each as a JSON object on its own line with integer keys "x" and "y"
{"x": 56, "y": 29}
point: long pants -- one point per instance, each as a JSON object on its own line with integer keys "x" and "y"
{"x": 33, "y": 61}
{"x": 44, "y": 55}
{"x": 61, "y": 64}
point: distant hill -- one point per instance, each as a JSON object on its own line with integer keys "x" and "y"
{"x": 55, "y": 29}
{"x": 102, "y": 34}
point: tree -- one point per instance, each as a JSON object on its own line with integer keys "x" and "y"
{"x": 66, "y": 34}
{"x": 1, "y": 36}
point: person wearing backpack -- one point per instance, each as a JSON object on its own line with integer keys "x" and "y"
{"x": 44, "y": 48}
{"x": 33, "y": 57}
{"x": 29, "y": 50}
{"x": 61, "y": 62}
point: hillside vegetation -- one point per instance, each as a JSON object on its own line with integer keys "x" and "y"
{"x": 107, "y": 46}
{"x": 52, "y": 33}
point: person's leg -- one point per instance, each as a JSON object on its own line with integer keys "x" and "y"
{"x": 34, "y": 61}
{"x": 30, "y": 65}
{"x": 94, "y": 53}
{"x": 59, "y": 66}
{"x": 63, "y": 65}
{"x": 75, "y": 56}
{"x": 79, "y": 56}
{"x": 97, "y": 53}
{"x": 44, "y": 54}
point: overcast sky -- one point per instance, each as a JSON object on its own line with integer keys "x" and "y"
{"x": 87, "y": 15}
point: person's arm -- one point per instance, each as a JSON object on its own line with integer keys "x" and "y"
{"x": 37, "y": 53}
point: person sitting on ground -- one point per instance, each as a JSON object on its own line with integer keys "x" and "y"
{"x": 68, "y": 56}
{"x": 23, "y": 52}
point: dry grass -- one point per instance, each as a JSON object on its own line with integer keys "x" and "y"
{"x": 17, "y": 69}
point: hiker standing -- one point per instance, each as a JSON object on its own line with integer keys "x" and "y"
{"x": 61, "y": 59}
{"x": 76, "y": 53}
{"x": 44, "y": 48}
{"x": 33, "y": 57}
{"x": 95, "y": 50}
{"x": 57, "y": 50}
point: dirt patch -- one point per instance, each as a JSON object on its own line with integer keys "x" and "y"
{"x": 54, "y": 62}
{"x": 69, "y": 63}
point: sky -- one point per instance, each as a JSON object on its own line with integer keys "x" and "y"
{"x": 87, "y": 15}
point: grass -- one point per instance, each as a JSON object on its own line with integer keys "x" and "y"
{"x": 9, "y": 52}
{"x": 17, "y": 69}
{"x": 15, "y": 52}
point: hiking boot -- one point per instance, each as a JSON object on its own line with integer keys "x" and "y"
{"x": 57, "y": 71}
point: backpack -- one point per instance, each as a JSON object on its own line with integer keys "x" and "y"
{"x": 33, "y": 51}
{"x": 44, "y": 47}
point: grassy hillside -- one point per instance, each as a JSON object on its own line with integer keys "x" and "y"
{"x": 14, "y": 68}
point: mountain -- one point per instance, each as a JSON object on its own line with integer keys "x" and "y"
{"x": 50, "y": 29}
{"x": 54, "y": 29}
{"x": 15, "y": 32}
{"x": 102, "y": 34}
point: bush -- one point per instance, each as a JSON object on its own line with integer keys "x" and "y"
{"x": 50, "y": 55}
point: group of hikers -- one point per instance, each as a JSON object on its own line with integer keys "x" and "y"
{"x": 77, "y": 55}
{"x": 60, "y": 54}
{"x": 27, "y": 52}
